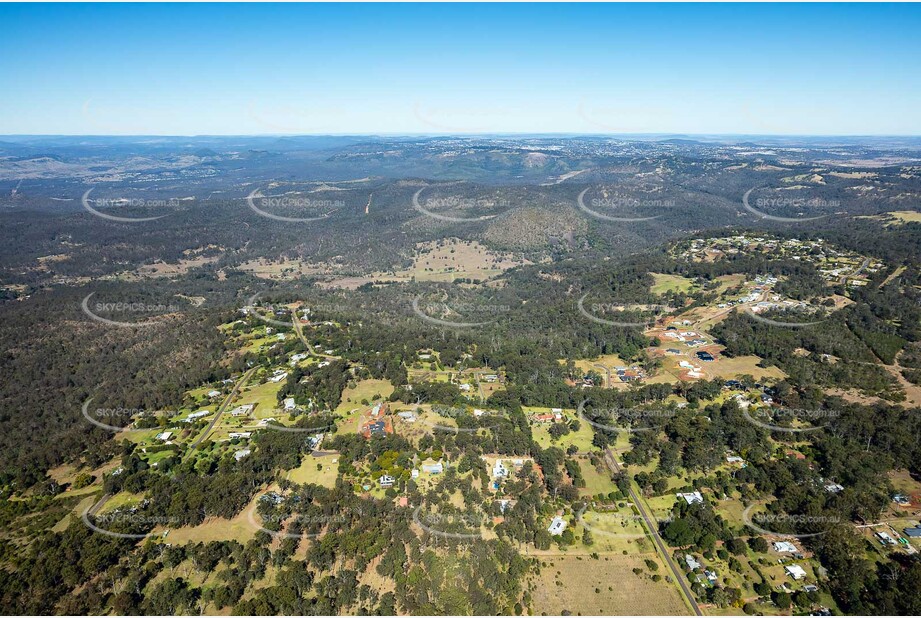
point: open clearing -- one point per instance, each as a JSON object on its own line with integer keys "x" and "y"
{"x": 896, "y": 217}
{"x": 364, "y": 390}
{"x": 727, "y": 282}
{"x": 906, "y": 216}
{"x": 729, "y": 368}
{"x": 427, "y": 422}
{"x": 353, "y": 403}
{"x": 121, "y": 500}
{"x": 307, "y": 472}
{"x": 607, "y": 361}
{"x": 281, "y": 269}
{"x": 617, "y": 532}
{"x": 264, "y": 396}
{"x": 215, "y": 528}
{"x": 447, "y": 260}
{"x": 596, "y": 482}
{"x": 607, "y": 586}
{"x": 670, "y": 283}
{"x": 163, "y": 269}
{"x": 442, "y": 261}
{"x": 582, "y": 438}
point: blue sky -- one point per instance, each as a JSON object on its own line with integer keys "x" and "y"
{"x": 299, "y": 69}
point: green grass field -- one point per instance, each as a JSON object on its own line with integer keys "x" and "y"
{"x": 727, "y": 282}
{"x": 671, "y": 283}
{"x": 582, "y": 438}
{"x": 617, "y": 531}
{"x": 265, "y": 396}
{"x": 595, "y": 482}
{"x": 363, "y": 390}
{"x": 158, "y": 456}
{"x": 307, "y": 472}
{"x": 122, "y": 499}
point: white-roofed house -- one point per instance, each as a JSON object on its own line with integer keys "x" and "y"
{"x": 557, "y": 526}
{"x": 433, "y": 468}
{"x": 244, "y": 410}
{"x": 693, "y": 497}
{"x": 785, "y": 547}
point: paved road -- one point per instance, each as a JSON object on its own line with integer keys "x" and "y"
{"x": 843, "y": 279}
{"x": 236, "y": 389}
{"x": 98, "y": 505}
{"x": 863, "y": 265}
{"x": 607, "y": 371}
{"x": 677, "y": 575}
{"x": 299, "y": 329}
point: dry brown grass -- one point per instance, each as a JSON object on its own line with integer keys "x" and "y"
{"x": 606, "y": 586}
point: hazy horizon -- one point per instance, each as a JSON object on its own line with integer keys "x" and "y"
{"x": 519, "y": 134}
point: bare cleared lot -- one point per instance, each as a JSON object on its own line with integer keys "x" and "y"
{"x": 606, "y": 586}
